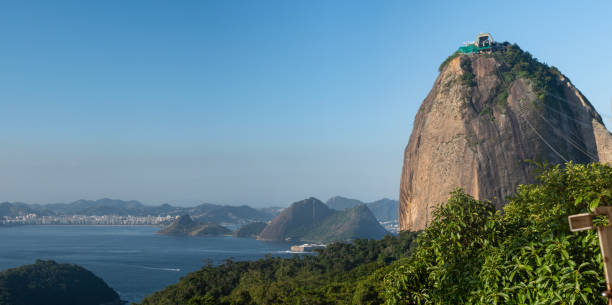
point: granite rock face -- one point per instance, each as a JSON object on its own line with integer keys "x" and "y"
{"x": 477, "y": 128}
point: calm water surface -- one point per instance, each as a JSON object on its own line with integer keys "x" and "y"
{"x": 131, "y": 259}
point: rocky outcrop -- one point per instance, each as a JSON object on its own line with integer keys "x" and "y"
{"x": 486, "y": 115}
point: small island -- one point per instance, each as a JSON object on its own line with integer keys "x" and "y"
{"x": 185, "y": 226}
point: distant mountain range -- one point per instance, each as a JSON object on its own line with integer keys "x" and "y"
{"x": 384, "y": 209}
{"x": 310, "y": 220}
{"x": 206, "y": 212}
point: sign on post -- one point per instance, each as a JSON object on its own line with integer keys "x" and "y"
{"x": 581, "y": 222}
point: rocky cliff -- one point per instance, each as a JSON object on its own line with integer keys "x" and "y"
{"x": 486, "y": 115}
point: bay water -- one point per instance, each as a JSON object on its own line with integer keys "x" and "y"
{"x": 133, "y": 260}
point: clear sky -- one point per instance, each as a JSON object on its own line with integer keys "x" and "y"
{"x": 247, "y": 102}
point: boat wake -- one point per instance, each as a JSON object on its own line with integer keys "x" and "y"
{"x": 163, "y": 269}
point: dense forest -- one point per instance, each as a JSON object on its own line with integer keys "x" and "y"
{"x": 341, "y": 273}
{"x": 525, "y": 254}
{"x": 50, "y": 283}
{"x": 469, "y": 254}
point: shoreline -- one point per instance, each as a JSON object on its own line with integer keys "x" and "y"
{"x": 77, "y": 225}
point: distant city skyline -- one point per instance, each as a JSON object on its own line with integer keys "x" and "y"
{"x": 247, "y": 102}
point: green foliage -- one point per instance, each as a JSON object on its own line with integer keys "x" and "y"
{"x": 49, "y": 283}
{"x": 526, "y": 255}
{"x": 201, "y": 300}
{"x": 487, "y": 112}
{"x": 470, "y": 254}
{"x": 447, "y": 60}
{"x": 342, "y": 273}
{"x": 502, "y": 100}
{"x": 467, "y": 78}
{"x": 519, "y": 63}
{"x": 601, "y": 221}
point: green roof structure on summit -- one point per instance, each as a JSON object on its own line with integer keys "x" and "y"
{"x": 482, "y": 44}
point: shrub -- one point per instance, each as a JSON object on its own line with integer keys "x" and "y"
{"x": 467, "y": 78}
{"x": 447, "y": 60}
{"x": 526, "y": 255}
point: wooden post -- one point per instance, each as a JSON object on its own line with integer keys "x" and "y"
{"x": 580, "y": 222}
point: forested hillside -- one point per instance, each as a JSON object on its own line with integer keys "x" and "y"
{"x": 340, "y": 274}
{"x": 469, "y": 254}
{"x": 50, "y": 283}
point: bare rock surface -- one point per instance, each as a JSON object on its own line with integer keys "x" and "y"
{"x": 478, "y": 127}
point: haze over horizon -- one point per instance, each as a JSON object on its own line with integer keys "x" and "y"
{"x": 195, "y": 202}
{"x": 259, "y": 103}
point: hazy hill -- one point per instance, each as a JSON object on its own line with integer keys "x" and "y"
{"x": 185, "y": 226}
{"x": 252, "y": 229}
{"x": 14, "y": 209}
{"x": 231, "y": 214}
{"x": 50, "y": 283}
{"x": 296, "y": 221}
{"x": 342, "y": 203}
{"x": 311, "y": 220}
{"x": 357, "y": 222}
{"x": 95, "y": 207}
{"x": 383, "y": 209}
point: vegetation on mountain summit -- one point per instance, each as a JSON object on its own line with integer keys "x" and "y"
{"x": 516, "y": 63}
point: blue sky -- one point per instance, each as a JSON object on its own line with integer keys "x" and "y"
{"x": 247, "y": 102}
